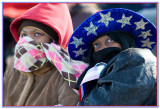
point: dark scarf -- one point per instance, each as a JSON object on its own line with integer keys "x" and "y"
{"x": 104, "y": 55}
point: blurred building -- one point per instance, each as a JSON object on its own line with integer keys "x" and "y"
{"x": 81, "y": 11}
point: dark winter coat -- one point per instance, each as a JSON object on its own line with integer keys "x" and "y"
{"x": 128, "y": 79}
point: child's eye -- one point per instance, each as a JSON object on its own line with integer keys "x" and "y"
{"x": 96, "y": 45}
{"x": 37, "y": 34}
{"x": 23, "y": 35}
{"x": 109, "y": 40}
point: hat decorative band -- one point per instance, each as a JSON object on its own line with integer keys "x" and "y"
{"x": 117, "y": 19}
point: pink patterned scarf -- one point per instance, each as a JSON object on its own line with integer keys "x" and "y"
{"x": 30, "y": 56}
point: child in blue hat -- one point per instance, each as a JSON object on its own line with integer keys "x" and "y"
{"x": 117, "y": 44}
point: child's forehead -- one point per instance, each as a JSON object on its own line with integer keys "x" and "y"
{"x": 101, "y": 38}
{"x": 30, "y": 28}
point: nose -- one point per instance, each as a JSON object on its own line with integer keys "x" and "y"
{"x": 103, "y": 47}
{"x": 31, "y": 36}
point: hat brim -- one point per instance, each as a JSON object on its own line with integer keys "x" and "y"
{"x": 117, "y": 19}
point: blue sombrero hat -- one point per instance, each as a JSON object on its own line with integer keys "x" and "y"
{"x": 111, "y": 20}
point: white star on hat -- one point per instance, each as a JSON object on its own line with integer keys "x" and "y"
{"x": 77, "y": 41}
{"x": 79, "y": 52}
{"x": 125, "y": 20}
{"x": 91, "y": 29}
{"x": 141, "y": 24}
{"x": 147, "y": 43}
{"x": 145, "y": 34}
{"x": 105, "y": 18}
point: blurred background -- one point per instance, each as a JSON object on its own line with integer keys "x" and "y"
{"x": 79, "y": 12}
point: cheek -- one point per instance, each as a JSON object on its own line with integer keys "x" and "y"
{"x": 95, "y": 50}
{"x": 45, "y": 40}
{"x": 42, "y": 39}
{"x": 117, "y": 45}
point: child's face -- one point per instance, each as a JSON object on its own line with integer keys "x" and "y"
{"x": 104, "y": 42}
{"x": 36, "y": 34}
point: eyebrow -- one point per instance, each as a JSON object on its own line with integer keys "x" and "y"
{"x": 22, "y": 31}
{"x": 32, "y": 31}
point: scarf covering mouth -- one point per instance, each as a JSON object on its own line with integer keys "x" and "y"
{"x": 30, "y": 56}
{"x": 105, "y": 55}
